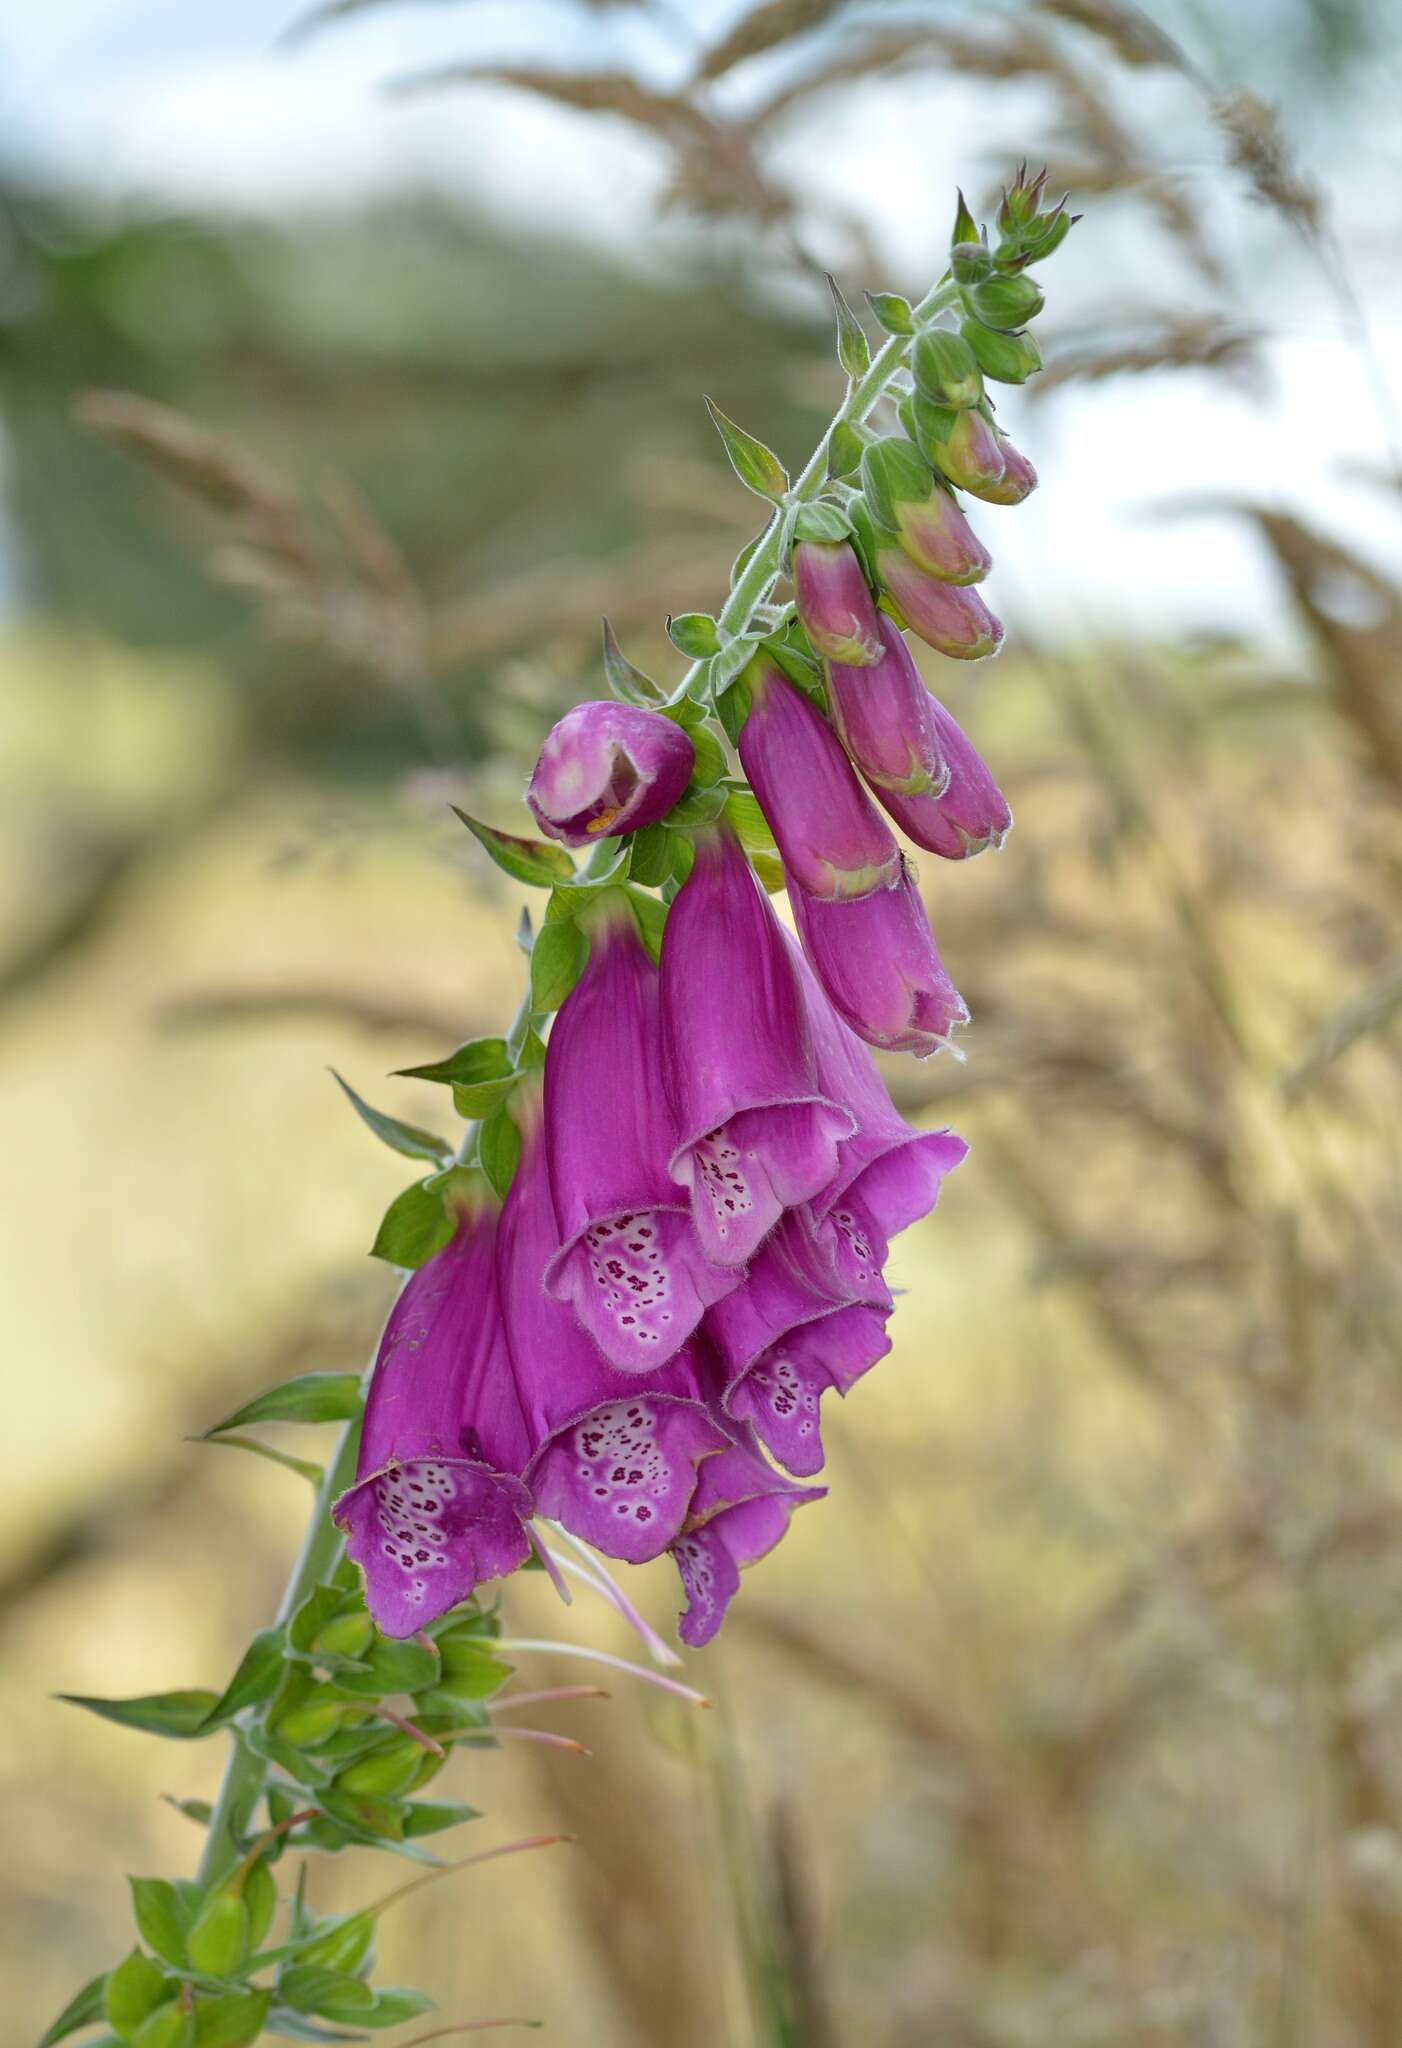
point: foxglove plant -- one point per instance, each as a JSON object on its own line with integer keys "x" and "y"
{"x": 662, "y": 1236}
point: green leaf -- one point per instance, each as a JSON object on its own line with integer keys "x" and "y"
{"x": 415, "y": 1226}
{"x": 161, "y": 1917}
{"x": 393, "y": 2006}
{"x": 198, "y": 1810}
{"x": 303, "y": 1467}
{"x": 310, "y": 1397}
{"x": 400, "y": 1137}
{"x": 649, "y": 913}
{"x": 311, "y": 1617}
{"x": 394, "y": 1666}
{"x": 256, "y": 1679}
{"x": 710, "y": 763}
{"x": 757, "y": 467}
{"x": 431, "y": 1816}
{"x": 311, "y": 1987}
{"x": 181, "y": 1715}
{"x": 733, "y": 708}
{"x": 627, "y": 682}
{"x": 481, "y": 1059}
{"x": 537, "y": 861}
{"x": 560, "y": 956}
{"x": 892, "y": 311}
{"x": 82, "y": 2009}
{"x": 134, "y": 1990}
{"x": 966, "y": 228}
{"x": 821, "y": 521}
{"x": 652, "y": 856}
{"x": 845, "y": 445}
{"x": 499, "y": 1145}
{"x": 853, "y": 348}
{"x": 232, "y": 2020}
{"x": 694, "y": 634}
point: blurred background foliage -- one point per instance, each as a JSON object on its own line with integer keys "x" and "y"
{"x": 1071, "y": 1716}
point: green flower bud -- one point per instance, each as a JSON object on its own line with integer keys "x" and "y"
{"x": 260, "y": 1897}
{"x": 970, "y": 262}
{"x": 310, "y": 1722}
{"x": 894, "y": 473}
{"x": 167, "y": 2027}
{"x": 346, "y": 1635}
{"x": 928, "y": 425}
{"x": 1006, "y": 358}
{"x": 134, "y": 1990}
{"x": 1007, "y": 302}
{"x": 970, "y": 455}
{"x": 343, "y": 1947}
{"x": 945, "y": 369}
{"x": 218, "y": 1942}
{"x": 385, "y": 1773}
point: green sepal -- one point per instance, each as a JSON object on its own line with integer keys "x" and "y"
{"x": 928, "y": 424}
{"x": 303, "y": 1467}
{"x": 694, "y": 634}
{"x": 538, "y": 861}
{"x": 260, "y": 1895}
{"x": 725, "y": 666}
{"x": 649, "y": 914}
{"x": 162, "y": 1917}
{"x": 313, "y": 1614}
{"x": 559, "y": 957}
{"x": 134, "y": 1990}
{"x": 853, "y": 348}
{"x": 387, "y": 1771}
{"x": 697, "y": 807}
{"x": 757, "y": 467}
{"x": 432, "y": 1816}
{"x": 733, "y": 708}
{"x": 751, "y": 828}
{"x": 966, "y": 228}
{"x": 894, "y": 473}
{"x": 256, "y": 1680}
{"x": 343, "y": 1946}
{"x": 1006, "y": 358}
{"x": 400, "y": 1137}
{"x": 393, "y": 1666}
{"x": 307, "y": 1986}
{"x": 200, "y": 1811}
{"x": 310, "y": 1397}
{"x": 217, "y": 1943}
{"x": 1007, "y": 303}
{"x": 374, "y": 1820}
{"x": 393, "y": 2006}
{"x": 420, "y": 1221}
{"x": 945, "y": 368}
{"x": 628, "y": 683}
{"x": 167, "y": 2027}
{"x": 233, "y": 2019}
{"x": 821, "y": 520}
{"x": 709, "y": 763}
{"x": 180, "y": 1715}
{"x": 652, "y": 856}
{"x": 894, "y": 312}
{"x": 472, "y": 1667}
{"x": 845, "y": 445}
{"x": 83, "y": 2009}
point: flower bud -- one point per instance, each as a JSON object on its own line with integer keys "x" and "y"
{"x": 1006, "y": 358}
{"x": 883, "y": 716}
{"x": 170, "y": 2026}
{"x": 608, "y": 768}
{"x": 945, "y": 368}
{"x": 878, "y": 962}
{"x": 1007, "y": 302}
{"x": 970, "y": 262}
{"x": 904, "y": 499}
{"x": 217, "y": 1944}
{"x": 385, "y": 1773}
{"x": 834, "y": 602}
{"x": 968, "y": 814}
{"x": 968, "y": 453}
{"x": 833, "y": 840}
{"x": 952, "y": 620}
{"x": 1018, "y": 480}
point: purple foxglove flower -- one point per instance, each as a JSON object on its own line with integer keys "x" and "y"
{"x": 438, "y": 1505}
{"x": 756, "y": 1133}
{"x": 878, "y": 962}
{"x": 629, "y": 1261}
{"x": 740, "y": 1510}
{"x": 608, "y": 768}
{"x": 1019, "y": 478}
{"x": 833, "y": 839}
{"x": 948, "y": 617}
{"x": 793, "y": 1330}
{"x": 969, "y": 814}
{"x": 970, "y": 457}
{"x": 885, "y": 718}
{"x": 834, "y": 603}
{"x": 889, "y": 1174}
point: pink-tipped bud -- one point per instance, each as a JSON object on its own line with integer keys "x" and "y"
{"x": 608, "y": 768}
{"x": 885, "y": 718}
{"x": 1019, "y": 478}
{"x": 834, "y": 602}
{"x": 939, "y": 539}
{"x": 968, "y": 814}
{"x": 951, "y": 619}
{"x": 969, "y": 455}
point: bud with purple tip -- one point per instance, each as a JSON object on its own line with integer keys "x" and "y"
{"x": 608, "y": 768}
{"x": 969, "y": 814}
{"x": 1019, "y": 478}
{"x": 879, "y": 965}
{"x": 905, "y": 501}
{"x": 834, "y": 603}
{"x": 948, "y": 617}
{"x": 884, "y": 718}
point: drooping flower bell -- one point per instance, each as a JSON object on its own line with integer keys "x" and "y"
{"x": 756, "y": 1135}
{"x": 438, "y": 1505}
{"x": 968, "y": 814}
{"x": 739, "y": 1511}
{"x": 834, "y": 603}
{"x": 969, "y": 454}
{"x": 608, "y": 768}
{"x": 920, "y": 514}
{"x": 629, "y": 1263}
{"x": 797, "y": 1327}
{"x": 614, "y": 1461}
{"x": 880, "y": 968}
{"x": 833, "y": 840}
{"x": 949, "y": 617}
{"x": 885, "y": 719}
{"x": 1019, "y": 478}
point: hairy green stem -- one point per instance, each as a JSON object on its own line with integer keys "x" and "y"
{"x": 753, "y": 585}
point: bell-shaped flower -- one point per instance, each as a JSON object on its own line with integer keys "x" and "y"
{"x": 833, "y": 839}
{"x": 438, "y": 1505}
{"x": 629, "y": 1262}
{"x": 907, "y": 501}
{"x": 968, "y": 814}
{"x": 889, "y": 1173}
{"x": 885, "y": 717}
{"x": 880, "y": 968}
{"x": 608, "y": 768}
{"x": 755, "y": 1133}
{"x": 797, "y": 1327}
{"x": 949, "y": 617}
{"x": 970, "y": 455}
{"x": 1019, "y": 478}
{"x": 739, "y": 1511}
{"x": 834, "y": 602}
{"x": 614, "y": 1461}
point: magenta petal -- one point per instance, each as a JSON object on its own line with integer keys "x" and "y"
{"x": 629, "y": 1262}
{"x": 885, "y": 717}
{"x": 969, "y": 814}
{"x": 427, "y": 1533}
{"x": 878, "y": 963}
{"x": 741, "y": 1509}
{"x": 782, "y": 1391}
{"x": 834, "y": 603}
{"x": 757, "y": 1134}
{"x": 834, "y": 841}
{"x": 949, "y": 617}
{"x": 608, "y": 768}
{"x": 796, "y": 1277}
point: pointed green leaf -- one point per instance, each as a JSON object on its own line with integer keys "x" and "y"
{"x": 392, "y": 2007}
{"x": 430, "y": 1817}
{"x": 694, "y": 634}
{"x": 710, "y": 763}
{"x": 892, "y": 311}
{"x": 650, "y": 914}
{"x": 757, "y": 467}
{"x": 400, "y": 1137}
{"x": 652, "y": 856}
{"x": 308, "y": 1987}
{"x": 232, "y": 2020}
{"x": 256, "y": 1679}
{"x": 525, "y": 936}
{"x": 415, "y": 1226}
{"x": 162, "y": 1917}
{"x": 845, "y": 445}
{"x": 82, "y": 2010}
{"x": 482, "y": 1097}
{"x": 198, "y": 1810}
{"x": 310, "y": 1397}
{"x": 627, "y": 682}
{"x": 560, "y": 956}
{"x": 966, "y": 228}
{"x": 537, "y": 861}
{"x": 481, "y": 1059}
{"x": 499, "y": 1141}
{"x": 303, "y": 1467}
{"x": 853, "y": 348}
{"x": 178, "y": 1714}
{"x": 320, "y": 1605}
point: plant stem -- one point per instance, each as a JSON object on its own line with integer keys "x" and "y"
{"x": 245, "y": 1772}
{"x": 753, "y": 585}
